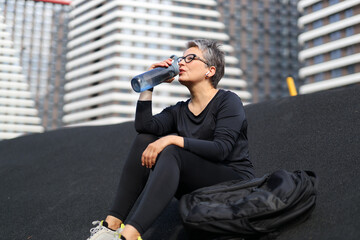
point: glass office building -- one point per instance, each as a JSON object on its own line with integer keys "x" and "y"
{"x": 111, "y": 41}
{"x": 264, "y": 35}
{"x": 330, "y": 44}
{"x": 38, "y": 30}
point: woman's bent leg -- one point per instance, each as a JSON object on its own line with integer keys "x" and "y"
{"x": 133, "y": 178}
{"x": 159, "y": 190}
{"x": 177, "y": 171}
{"x": 197, "y": 172}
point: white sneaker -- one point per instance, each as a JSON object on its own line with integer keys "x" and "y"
{"x": 101, "y": 232}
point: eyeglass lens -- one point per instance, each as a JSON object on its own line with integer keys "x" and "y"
{"x": 187, "y": 58}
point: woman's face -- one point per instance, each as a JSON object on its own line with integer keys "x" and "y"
{"x": 195, "y": 70}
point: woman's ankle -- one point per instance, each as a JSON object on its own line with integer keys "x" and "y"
{"x": 130, "y": 233}
{"x": 113, "y": 222}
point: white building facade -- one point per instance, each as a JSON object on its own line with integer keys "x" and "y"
{"x": 112, "y": 41}
{"x": 38, "y": 31}
{"x": 331, "y": 44}
{"x": 18, "y": 113}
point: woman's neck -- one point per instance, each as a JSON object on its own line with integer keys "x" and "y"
{"x": 200, "y": 98}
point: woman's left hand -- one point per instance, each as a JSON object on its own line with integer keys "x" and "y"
{"x": 149, "y": 156}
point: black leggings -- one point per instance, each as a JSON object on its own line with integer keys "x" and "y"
{"x": 176, "y": 172}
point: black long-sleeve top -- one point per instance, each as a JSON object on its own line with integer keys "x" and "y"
{"x": 218, "y": 133}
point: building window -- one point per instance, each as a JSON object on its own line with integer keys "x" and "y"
{"x": 317, "y": 6}
{"x": 318, "y": 59}
{"x": 335, "y": 35}
{"x": 319, "y": 77}
{"x": 336, "y": 73}
{"x": 350, "y": 50}
{"x": 334, "y": 18}
{"x": 332, "y": 2}
{"x": 317, "y": 24}
{"x": 335, "y": 54}
{"x": 350, "y": 69}
{"x": 349, "y": 31}
{"x": 318, "y": 41}
{"x": 349, "y": 13}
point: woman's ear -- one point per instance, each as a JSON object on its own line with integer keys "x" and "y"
{"x": 211, "y": 72}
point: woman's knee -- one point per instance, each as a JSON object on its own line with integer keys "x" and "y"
{"x": 170, "y": 155}
{"x": 171, "y": 150}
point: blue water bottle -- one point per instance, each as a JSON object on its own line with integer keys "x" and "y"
{"x": 155, "y": 76}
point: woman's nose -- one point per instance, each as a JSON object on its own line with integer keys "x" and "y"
{"x": 181, "y": 62}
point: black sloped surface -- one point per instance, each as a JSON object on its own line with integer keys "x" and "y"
{"x": 318, "y": 132}
{"x": 53, "y": 185}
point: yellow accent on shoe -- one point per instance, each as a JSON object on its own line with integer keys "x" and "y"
{"x": 139, "y": 238}
{"x": 122, "y": 226}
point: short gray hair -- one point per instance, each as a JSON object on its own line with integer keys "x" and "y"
{"x": 213, "y": 55}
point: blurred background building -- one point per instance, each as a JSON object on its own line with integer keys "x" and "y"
{"x": 18, "y": 113}
{"x": 66, "y": 63}
{"x": 264, "y": 35}
{"x": 112, "y": 41}
{"x": 38, "y": 32}
{"x": 331, "y": 44}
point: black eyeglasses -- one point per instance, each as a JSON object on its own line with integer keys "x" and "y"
{"x": 188, "y": 58}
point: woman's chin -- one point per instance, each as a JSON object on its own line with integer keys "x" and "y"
{"x": 182, "y": 82}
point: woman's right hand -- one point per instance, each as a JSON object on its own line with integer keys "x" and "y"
{"x": 166, "y": 63}
{"x": 147, "y": 95}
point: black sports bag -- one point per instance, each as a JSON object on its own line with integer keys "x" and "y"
{"x": 255, "y": 208}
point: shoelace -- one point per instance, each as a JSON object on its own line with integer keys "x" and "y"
{"x": 94, "y": 230}
{"x": 100, "y": 226}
